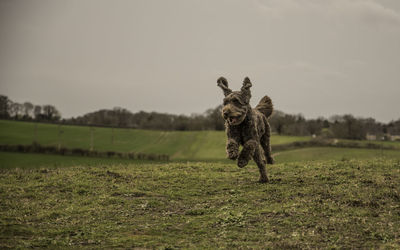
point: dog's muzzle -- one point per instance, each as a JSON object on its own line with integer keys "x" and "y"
{"x": 233, "y": 118}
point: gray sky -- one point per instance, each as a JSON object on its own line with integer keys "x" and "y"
{"x": 313, "y": 57}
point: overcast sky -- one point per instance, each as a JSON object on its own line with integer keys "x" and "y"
{"x": 313, "y": 57}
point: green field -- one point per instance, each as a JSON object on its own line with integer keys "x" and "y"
{"x": 12, "y": 160}
{"x": 193, "y": 145}
{"x": 331, "y": 153}
{"x": 319, "y": 197}
{"x": 394, "y": 144}
{"x": 324, "y": 204}
{"x": 22, "y": 160}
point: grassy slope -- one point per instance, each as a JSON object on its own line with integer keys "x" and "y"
{"x": 330, "y": 204}
{"x": 180, "y": 145}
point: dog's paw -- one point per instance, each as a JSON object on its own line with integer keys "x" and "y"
{"x": 232, "y": 149}
{"x": 242, "y": 162}
{"x": 263, "y": 180}
{"x": 244, "y": 158}
{"x": 233, "y": 154}
{"x": 270, "y": 160}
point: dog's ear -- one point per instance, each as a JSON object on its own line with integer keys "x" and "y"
{"x": 223, "y": 84}
{"x": 246, "y": 94}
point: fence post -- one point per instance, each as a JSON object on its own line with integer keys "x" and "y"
{"x": 59, "y": 136}
{"x": 112, "y": 136}
{"x": 35, "y": 133}
{"x": 91, "y": 138}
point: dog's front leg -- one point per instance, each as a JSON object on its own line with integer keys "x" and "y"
{"x": 232, "y": 145}
{"x": 232, "y": 149}
{"x": 246, "y": 153}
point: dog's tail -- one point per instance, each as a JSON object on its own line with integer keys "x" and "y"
{"x": 265, "y": 106}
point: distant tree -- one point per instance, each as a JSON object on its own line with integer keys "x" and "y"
{"x": 214, "y": 118}
{"x": 197, "y": 122}
{"x": 181, "y": 123}
{"x": 277, "y": 121}
{"x": 314, "y": 127}
{"x": 4, "y": 107}
{"x": 393, "y": 127}
{"x": 371, "y": 126}
{"x": 50, "y": 113}
{"x": 37, "y": 112}
{"x": 325, "y": 123}
{"x": 336, "y": 119}
{"x": 122, "y": 116}
{"x": 15, "y": 110}
{"x": 28, "y": 107}
{"x": 348, "y": 127}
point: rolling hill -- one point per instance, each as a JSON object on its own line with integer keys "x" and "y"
{"x": 194, "y": 145}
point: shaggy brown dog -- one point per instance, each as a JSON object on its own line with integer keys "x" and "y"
{"x": 247, "y": 127}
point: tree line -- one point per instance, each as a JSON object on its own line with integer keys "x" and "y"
{"x": 120, "y": 117}
{"x": 338, "y": 126}
{"x": 27, "y": 111}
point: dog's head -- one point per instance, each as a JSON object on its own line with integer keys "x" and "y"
{"x": 236, "y": 103}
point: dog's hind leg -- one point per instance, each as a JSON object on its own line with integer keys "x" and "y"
{"x": 260, "y": 161}
{"x": 266, "y": 145}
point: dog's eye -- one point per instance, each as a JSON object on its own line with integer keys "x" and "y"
{"x": 225, "y": 102}
{"x": 235, "y": 101}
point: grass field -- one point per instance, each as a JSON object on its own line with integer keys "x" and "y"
{"x": 193, "y": 145}
{"x": 12, "y": 160}
{"x": 330, "y": 153}
{"x": 181, "y": 146}
{"x": 324, "y": 204}
{"x": 319, "y": 197}
{"x": 394, "y": 144}
{"x": 23, "y": 160}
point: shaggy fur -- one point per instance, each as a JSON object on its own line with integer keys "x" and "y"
{"x": 247, "y": 127}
